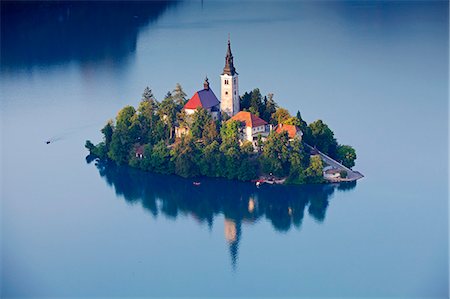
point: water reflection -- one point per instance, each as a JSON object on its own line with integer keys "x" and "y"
{"x": 52, "y": 32}
{"x": 238, "y": 202}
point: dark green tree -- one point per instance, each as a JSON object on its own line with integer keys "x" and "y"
{"x": 323, "y": 138}
{"x": 245, "y": 100}
{"x": 124, "y": 136}
{"x": 168, "y": 113}
{"x": 346, "y": 155}
{"x": 200, "y": 119}
{"x": 314, "y": 173}
{"x": 270, "y": 107}
{"x": 179, "y": 96}
{"x": 275, "y": 154}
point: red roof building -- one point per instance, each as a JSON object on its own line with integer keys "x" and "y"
{"x": 254, "y": 126}
{"x": 293, "y": 131}
{"x": 249, "y": 119}
{"x": 205, "y": 99}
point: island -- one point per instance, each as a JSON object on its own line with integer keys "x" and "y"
{"x": 247, "y": 138}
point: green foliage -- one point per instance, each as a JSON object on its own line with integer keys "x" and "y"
{"x": 314, "y": 173}
{"x": 124, "y": 136}
{"x": 292, "y": 121}
{"x": 270, "y": 107}
{"x": 184, "y": 156}
{"x": 200, "y": 120}
{"x": 148, "y": 95}
{"x": 210, "y": 163}
{"x": 179, "y": 96}
{"x": 256, "y": 105}
{"x": 213, "y": 148}
{"x": 230, "y": 134}
{"x": 108, "y": 131}
{"x": 346, "y": 155}
{"x": 343, "y": 174}
{"x": 245, "y": 100}
{"x": 280, "y": 116}
{"x": 323, "y": 138}
{"x": 98, "y": 151}
{"x": 210, "y": 132}
{"x": 275, "y": 155}
{"x": 168, "y": 111}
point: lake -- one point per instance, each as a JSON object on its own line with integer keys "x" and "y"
{"x": 375, "y": 72}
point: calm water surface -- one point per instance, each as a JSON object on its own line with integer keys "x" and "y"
{"x": 376, "y": 72}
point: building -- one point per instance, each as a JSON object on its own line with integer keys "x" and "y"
{"x": 293, "y": 131}
{"x": 229, "y": 94}
{"x": 252, "y": 127}
{"x": 205, "y": 99}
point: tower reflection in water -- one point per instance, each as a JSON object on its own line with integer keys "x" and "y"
{"x": 238, "y": 202}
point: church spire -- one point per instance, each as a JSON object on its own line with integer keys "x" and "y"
{"x": 229, "y": 66}
{"x": 206, "y": 83}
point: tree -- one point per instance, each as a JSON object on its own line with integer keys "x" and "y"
{"x": 108, "y": 131}
{"x": 270, "y": 107}
{"x": 323, "y": 138}
{"x": 159, "y": 158}
{"x": 298, "y": 160}
{"x": 245, "y": 100}
{"x": 168, "y": 113}
{"x": 200, "y": 120}
{"x": 123, "y": 136}
{"x": 179, "y": 96}
{"x": 292, "y": 121}
{"x": 184, "y": 156}
{"x": 304, "y": 128}
{"x": 276, "y": 154}
{"x": 256, "y": 102}
{"x": 346, "y": 155}
{"x": 209, "y": 164}
{"x": 314, "y": 173}
{"x": 280, "y": 116}
{"x": 148, "y": 95}
{"x": 210, "y": 132}
{"x": 230, "y": 134}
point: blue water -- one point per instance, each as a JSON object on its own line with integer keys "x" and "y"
{"x": 376, "y": 72}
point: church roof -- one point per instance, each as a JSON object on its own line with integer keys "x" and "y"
{"x": 229, "y": 65}
{"x": 291, "y": 129}
{"x": 203, "y": 98}
{"x": 249, "y": 119}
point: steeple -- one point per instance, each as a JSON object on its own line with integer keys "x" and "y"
{"x": 206, "y": 84}
{"x": 229, "y": 66}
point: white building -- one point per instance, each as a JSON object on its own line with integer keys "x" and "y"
{"x": 229, "y": 94}
{"x": 252, "y": 127}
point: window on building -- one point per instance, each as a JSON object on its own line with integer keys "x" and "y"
{"x": 226, "y": 92}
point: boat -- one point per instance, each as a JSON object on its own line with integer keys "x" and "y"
{"x": 48, "y": 142}
{"x": 196, "y": 183}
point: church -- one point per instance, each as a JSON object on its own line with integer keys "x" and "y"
{"x": 228, "y": 104}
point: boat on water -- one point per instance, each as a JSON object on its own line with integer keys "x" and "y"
{"x": 196, "y": 183}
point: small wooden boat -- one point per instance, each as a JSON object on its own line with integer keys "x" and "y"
{"x": 48, "y": 142}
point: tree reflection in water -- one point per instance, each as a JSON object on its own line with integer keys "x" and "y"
{"x": 238, "y": 202}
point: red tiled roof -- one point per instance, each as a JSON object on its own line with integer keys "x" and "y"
{"x": 250, "y": 119}
{"x": 291, "y": 129}
{"x": 204, "y": 98}
{"x": 140, "y": 150}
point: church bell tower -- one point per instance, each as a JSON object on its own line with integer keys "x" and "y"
{"x": 229, "y": 94}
